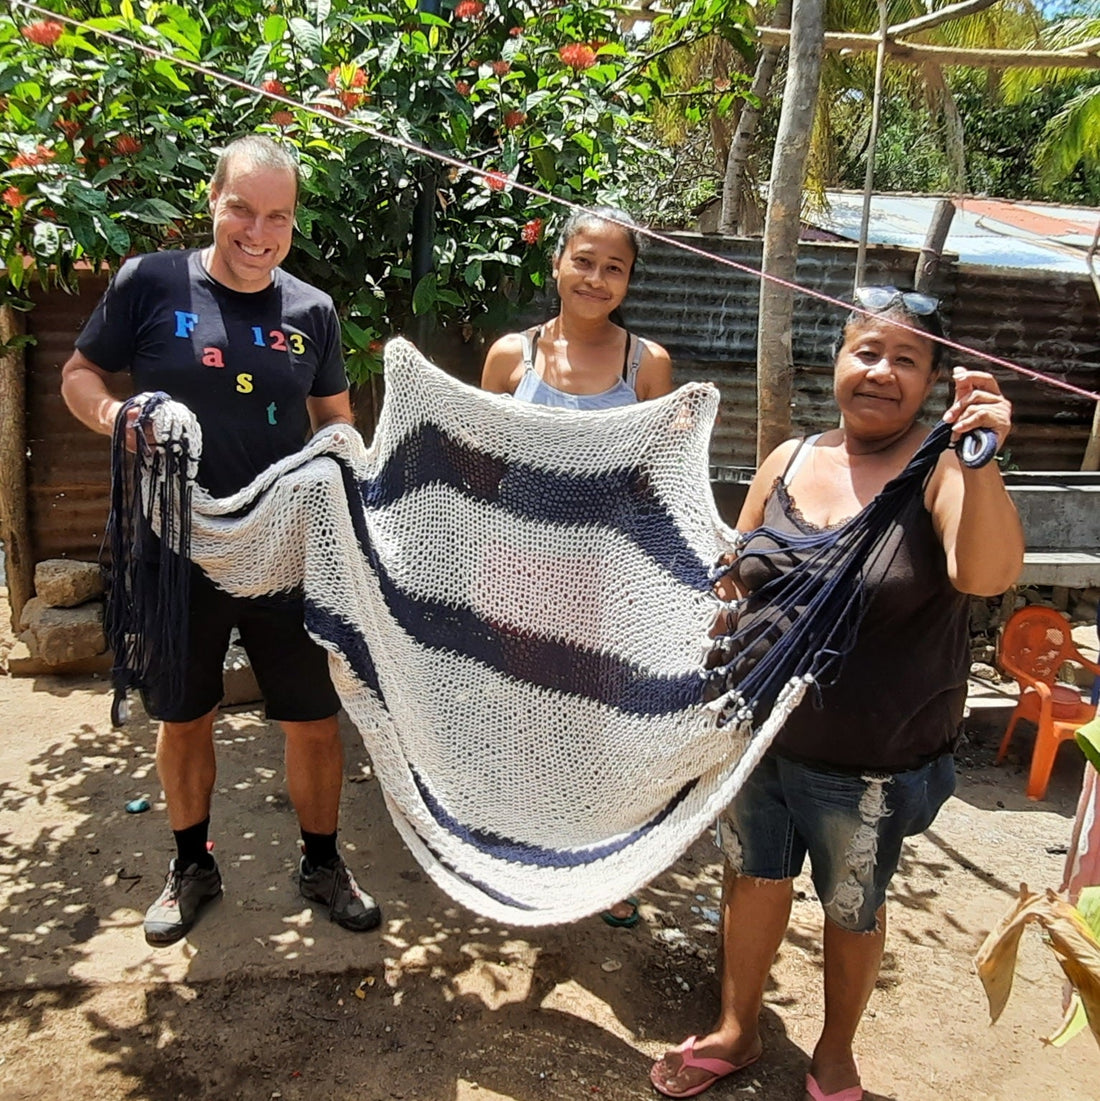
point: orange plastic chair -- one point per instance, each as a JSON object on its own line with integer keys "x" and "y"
{"x": 1036, "y": 642}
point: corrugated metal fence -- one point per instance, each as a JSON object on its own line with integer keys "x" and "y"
{"x": 705, "y": 314}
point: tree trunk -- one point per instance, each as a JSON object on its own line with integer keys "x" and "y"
{"x": 744, "y": 138}
{"x": 775, "y": 367}
{"x": 954, "y": 139}
{"x": 13, "y": 463}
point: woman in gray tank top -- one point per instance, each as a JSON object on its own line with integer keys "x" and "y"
{"x": 847, "y": 781}
{"x": 582, "y": 358}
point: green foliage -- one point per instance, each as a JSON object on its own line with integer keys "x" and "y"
{"x": 109, "y": 150}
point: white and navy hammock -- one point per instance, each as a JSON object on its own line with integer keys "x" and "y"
{"x": 517, "y": 603}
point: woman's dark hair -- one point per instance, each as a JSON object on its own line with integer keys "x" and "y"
{"x": 594, "y": 218}
{"x": 928, "y": 322}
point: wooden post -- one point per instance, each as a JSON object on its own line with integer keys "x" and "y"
{"x": 775, "y": 364}
{"x": 13, "y": 463}
{"x": 928, "y": 262}
{"x": 1091, "y": 461}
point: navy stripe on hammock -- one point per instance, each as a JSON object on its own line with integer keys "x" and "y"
{"x": 543, "y": 662}
{"x": 538, "y": 856}
{"x": 349, "y": 643}
{"x": 620, "y": 500}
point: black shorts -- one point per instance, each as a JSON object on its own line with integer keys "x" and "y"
{"x": 291, "y": 669}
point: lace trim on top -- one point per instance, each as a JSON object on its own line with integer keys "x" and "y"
{"x": 794, "y": 513}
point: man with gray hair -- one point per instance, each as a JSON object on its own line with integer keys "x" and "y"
{"x": 256, "y": 355}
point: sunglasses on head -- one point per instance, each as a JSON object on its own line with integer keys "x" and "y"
{"x": 877, "y": 299}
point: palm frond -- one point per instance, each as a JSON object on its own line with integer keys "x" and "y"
{"x": 1072, "y": 137}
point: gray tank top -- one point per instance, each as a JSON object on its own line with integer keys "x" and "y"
{"x": 533, "y": 389}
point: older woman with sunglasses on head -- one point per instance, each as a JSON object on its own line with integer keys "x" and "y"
{"x": 849, "y": 781}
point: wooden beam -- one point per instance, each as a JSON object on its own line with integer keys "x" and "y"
{"x": 942, "y": 15}
{"x": 946, "y": 55}
{"x": 13, "y": 462}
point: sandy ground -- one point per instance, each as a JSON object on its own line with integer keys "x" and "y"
{"x": 268, "y": 1000}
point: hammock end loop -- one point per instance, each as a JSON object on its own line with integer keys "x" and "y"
{"x": 977, "y": 448}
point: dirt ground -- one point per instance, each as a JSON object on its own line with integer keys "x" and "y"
{"x": 268, "y": 1000}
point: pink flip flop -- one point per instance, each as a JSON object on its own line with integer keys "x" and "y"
{"x": 852, "y": 1093}
{"x": 716, "y": 1068}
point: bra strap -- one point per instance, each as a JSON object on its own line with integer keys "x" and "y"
{"x": 801, "y": 453}
{"x": 630, "y": 371}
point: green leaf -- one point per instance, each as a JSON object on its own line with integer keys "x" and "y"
{"x": 257, "y": 63}
{"x": 305, "y": 34}
{"x": 47, "y": 240}
{"x": 424, "y": 297}
{"x": 546, "y": 165}
{"x": 111, "y": 172}
{"x": 167, "y": 72}
{"x": 113, "y": 233}
{"x": 274, "y": 28}
{"x": 156, "y": 211}
{"x": 1088, "y": 905}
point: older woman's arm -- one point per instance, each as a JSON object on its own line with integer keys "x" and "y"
{"x": 971, "y": 509}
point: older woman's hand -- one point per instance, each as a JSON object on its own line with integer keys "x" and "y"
{"x": 978, "y": 403}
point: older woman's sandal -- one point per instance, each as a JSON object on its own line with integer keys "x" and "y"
{"x": 716, "y": 1068}
{"x": 852, "y": 1093}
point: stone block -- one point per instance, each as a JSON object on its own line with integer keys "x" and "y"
{"x": 60, "y": 635}
{"x": 20, "y": 663}
{"x": 64, "y": 583}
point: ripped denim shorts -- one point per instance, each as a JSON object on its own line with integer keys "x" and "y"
{"x": 851, "y": 826}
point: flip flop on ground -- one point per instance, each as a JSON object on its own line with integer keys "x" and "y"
{"x": 716, "y": 1068}
{"x": 852, "y": 1093}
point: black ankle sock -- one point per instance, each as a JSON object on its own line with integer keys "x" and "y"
{"x": 191, "y": 846}
{"x": 320, "y": 849}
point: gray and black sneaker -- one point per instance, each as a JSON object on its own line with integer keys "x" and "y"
{"x": 348, "y": 904}
{"x": 185, "y": 893}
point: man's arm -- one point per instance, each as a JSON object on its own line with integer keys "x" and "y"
{"x": 334, "y": 409}
{"x": 84, "y": 388}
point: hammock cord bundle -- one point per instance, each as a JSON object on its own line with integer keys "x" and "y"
{"x": 518, "y": 606}
{"x": 149, "y": 593}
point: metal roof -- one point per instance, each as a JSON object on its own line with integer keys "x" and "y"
{"x": 989, "y": 232}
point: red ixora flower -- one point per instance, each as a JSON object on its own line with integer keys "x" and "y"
{"x": 14, "y": 197}
{"x": 77, "y": 95}
{"x": 578, "y": 56}
{"x": 515, "y": 32}
{"x": 532, "y": 231}
{"x": 282, "y": 118}
{"x": 469, "y": 9}
{"x": 512, "y": 119}
{"x": 496, "y": 180}
{"x": 462, "y": 87}
{"x": 69, "y": 127}
{"x": 274, "y": 87}
{"x": 348, "y": 77}
{"x": 41, "y": 155}
{"x": 126, "y": 145}
{"x": 47, "y": 212}
{"x": 43, "y": 33}
{"x": 501, "y": 67}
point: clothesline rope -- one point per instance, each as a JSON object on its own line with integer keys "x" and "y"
{"x": 465, "y": 166}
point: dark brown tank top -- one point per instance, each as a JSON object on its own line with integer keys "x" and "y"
{"x": 898, "y": 700}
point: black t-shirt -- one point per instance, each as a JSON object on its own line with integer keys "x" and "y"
{"x": 244, "y": 363}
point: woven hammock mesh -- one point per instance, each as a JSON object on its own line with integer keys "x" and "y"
{"x": 516, "y": 601}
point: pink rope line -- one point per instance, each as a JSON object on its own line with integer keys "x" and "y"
{"x": 465, "y": 166}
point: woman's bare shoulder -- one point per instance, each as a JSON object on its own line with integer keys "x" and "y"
{"x": 503, "y": 363}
